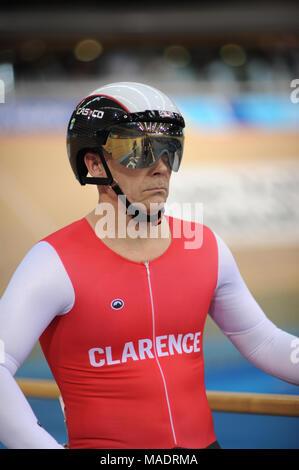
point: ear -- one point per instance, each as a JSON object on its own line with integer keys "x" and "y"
{"x": 94, "y": 165}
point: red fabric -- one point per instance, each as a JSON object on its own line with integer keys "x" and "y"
{"x": 119, "y": 390}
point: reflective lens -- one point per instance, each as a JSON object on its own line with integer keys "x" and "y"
{"x": 141, "y": 144}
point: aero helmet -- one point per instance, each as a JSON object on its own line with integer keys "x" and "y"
{"x": 135, "y": 123}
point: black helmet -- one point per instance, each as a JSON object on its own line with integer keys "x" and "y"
{"x": 110, "y": 105}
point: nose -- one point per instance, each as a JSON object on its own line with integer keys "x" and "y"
{"x": 162, "y": 165}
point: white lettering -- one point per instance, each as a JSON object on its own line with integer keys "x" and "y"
{"x": 196, "y": 341}
{"x": 149, "y": 460}
{"x": 2, "y": 91}
{"x": 92, "y": 357}
{"x": 82, "y": 111}
{"x": 197, "y": 232}
{"x": 165, "y": 345}
{"x": 129, "y": 351}
{"x": 98, "y": 114}
{"x": 89, "y": 112}
{"x": 295, "y": 354}
{"x": 175, "y": 343}
{"x": 294, "y": 94}
{"x": 159, "y": 345}
{"x": 167, "y": 459}
{"x": 134, "y": 228}
{"x": 105, "y": 226}
{"x": 175, "y": 211}
{"x": 114, "y": 225}
{"x": 170, "y": 459}
{"x": 122, "y": 217}
{"x": 184, "y": 343}
{"x": 111, "y": 460}
{"x": 145, "y": 346}
{"x": 110, "y": 361}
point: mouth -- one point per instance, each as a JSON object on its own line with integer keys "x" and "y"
{"x": 158, "y": 188}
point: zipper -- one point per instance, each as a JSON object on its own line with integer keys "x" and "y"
{"x": 155, "y": 351}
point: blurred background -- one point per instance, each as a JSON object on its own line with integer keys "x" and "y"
{"x": 233, "y": 69}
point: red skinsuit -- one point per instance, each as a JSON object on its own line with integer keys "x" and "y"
{"x": 133, "y": 377}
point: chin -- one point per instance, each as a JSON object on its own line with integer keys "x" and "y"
{"x": 156, "y": 202}
{"x": 158, "y": 198}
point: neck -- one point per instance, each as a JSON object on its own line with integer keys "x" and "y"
{"x": 112, "y": 222}
{"x": 136, "y": 241}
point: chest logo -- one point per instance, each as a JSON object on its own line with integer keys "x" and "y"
{"x": 117, "y": 304}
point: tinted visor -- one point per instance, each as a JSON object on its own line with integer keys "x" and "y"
{"x": 141, "y": 144}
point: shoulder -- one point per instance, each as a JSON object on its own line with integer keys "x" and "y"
{"x": 41, "y": 255}
{"x": 228, "y": 271}
{"x": 198, "y": 235}
{"x": 39, "y": 290}
{"x": 67, "y": 232}
{"x": 41, "y": 277}
{"x": 188, "y": 228}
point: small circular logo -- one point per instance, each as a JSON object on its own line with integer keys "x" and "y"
{"x": 117, "y": 304}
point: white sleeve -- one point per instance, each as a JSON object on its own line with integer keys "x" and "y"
{"x": 242, "y": 320}
{"x": 39, "y": 290}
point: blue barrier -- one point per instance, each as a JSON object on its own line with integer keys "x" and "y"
{"x": 203, "y": 112}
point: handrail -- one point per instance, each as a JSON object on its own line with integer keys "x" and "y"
{"x": 230, "y": 402}
{"x": 39, "y": 388}
{"x": 254, "y": 403}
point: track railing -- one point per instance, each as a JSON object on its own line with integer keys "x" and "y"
{"x": 230, "y": 402}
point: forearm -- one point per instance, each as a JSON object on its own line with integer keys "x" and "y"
{"x": 270, "y": 349}
{"x": 242, "y": 320}
{"x": 38, "y": 291}
{"x": 19, "y": 428}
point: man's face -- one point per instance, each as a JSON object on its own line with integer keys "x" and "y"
{"x": 145, "y": 185}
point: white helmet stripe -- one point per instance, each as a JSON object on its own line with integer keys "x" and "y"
{"x": 138, "y": 97}
{"x": 143, "y": 95}
{"x": 159, "y": 95}
{"x": 126, "y": 102}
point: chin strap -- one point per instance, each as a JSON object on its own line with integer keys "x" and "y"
{"x": 133, "y": 211}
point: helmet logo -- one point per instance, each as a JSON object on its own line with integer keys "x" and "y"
{"x": 169, "y": 114}
{"x": 90, "y": 112}
{"x": 117, "y": 304}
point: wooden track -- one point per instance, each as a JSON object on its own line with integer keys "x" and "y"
{"x": 38, "y": 193}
